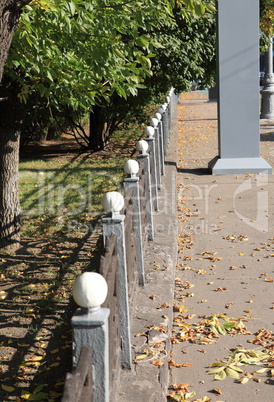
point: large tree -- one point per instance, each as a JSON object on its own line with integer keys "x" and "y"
{"x": 10, "y": 11}
{"x": 73, "y": 53}
{"x": 10, "y": 123}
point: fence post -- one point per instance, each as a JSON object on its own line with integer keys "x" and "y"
{"x": 149, "y": 131}
{"x": 155, "y": 122}
{"x": 90, "y": 328}
{"x": 158, "y": 134}
{"x": 113, "y": 202}
{"x": 142, "y": 146}
{"x": 165, "y": 128}
{"x": 132, "y": 167}
{"x": 168, "y": 113}
{"x": 159, "y": 115}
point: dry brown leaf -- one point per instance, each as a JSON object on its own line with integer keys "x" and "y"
{"x": 157, "y": 363}
{"x": 172, "y": 364}
{"x": 180, "y": 386}
{"x": 216, "y": 390}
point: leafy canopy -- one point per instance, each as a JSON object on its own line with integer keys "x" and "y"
{"x": 81, "y": 53}
{"x": 267, "y": 17}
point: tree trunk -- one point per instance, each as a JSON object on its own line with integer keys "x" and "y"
{"x": 10, "y": 128}
{"x": 98, "y": 128}
{"x": 103, "y": 121}
{"x": 9, "y": 16}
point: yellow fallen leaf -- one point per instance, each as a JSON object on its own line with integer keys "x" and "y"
{"x": 140, "y": 357}
{"x": 54, "y": 351}
{"x": 25, "y": 394}
{"x": 241, "y": 254}
{"x": 35, "y": 358}
{"x": 7, "y": 388}
{"x": 182, "y": 309}
{"x": 59, "y": 384}
{"x": 3, "y": 295}
{"x": 55, "y": 364}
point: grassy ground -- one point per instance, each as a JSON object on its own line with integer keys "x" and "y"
{"x": 60, "y": 191}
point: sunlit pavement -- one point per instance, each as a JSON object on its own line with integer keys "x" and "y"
{"x": 225, "y": 271}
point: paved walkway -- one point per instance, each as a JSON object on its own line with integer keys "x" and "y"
{"x": 225, "y": 265}
{"x": 221, "y": 262}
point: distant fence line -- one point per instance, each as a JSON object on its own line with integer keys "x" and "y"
{"x": 101, "y": 335}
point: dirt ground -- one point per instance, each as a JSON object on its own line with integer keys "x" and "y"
{"x": 36, "y": 304}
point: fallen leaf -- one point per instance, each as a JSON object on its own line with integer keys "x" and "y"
{"x": 182, "y": 309}
{"x": 141, "y": 334}
{"x": 216, "y": 390}
{"x": 3, "y": 295}
{"x": 243, "y": 380}
{"x": 180, "y": 387}
{"x": 55, "y": 364}
{"x": 7, "y": 388}
{"x": 140, "y": 357}
{"x": 54, "y": 351}
{"x": 157, "y": 363}
{"x": 172, "y": 363}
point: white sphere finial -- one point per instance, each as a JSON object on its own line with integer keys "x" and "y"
{"x": 154, "y": 122}
{"x": 131, "y": 167}
{"x": 149, "y": 131}
{"x": 142, "y": 146}
{"x": 158, "y": 116}
{"x": 168, "y": 99}
{"x": 90, "y": 290}
{"x": 113, "y": 201}
{"x": 164, "y": 106}
{"x": 161, "y": 110}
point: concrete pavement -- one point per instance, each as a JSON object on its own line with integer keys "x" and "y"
{"x": 226, "y": 260}
{"x": 220, "y": 262}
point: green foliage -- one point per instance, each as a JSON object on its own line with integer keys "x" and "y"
{"x": 267, "y": 17}
{"x": 188, "y": 53}
{"x": 69, "y": 55}
{"x": 240, "y": 357}
{"x": 80, "y": 53}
